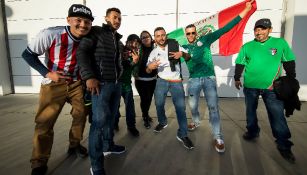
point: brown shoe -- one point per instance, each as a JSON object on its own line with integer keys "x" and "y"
{"x": 192, "y": 126}
{"x": 39, "y": 170}
{"x": 219, "y": 145}
{"x": 79, "y": 150}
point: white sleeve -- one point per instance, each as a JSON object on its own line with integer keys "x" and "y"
{"x": 151, "y": 57}
{"x": 42, "y": 42}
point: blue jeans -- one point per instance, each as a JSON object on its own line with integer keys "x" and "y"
{"x": 208, "y": 85}
{"x": 104, "y": 107}
{"x": 177, "y": 92}
{"x": 130, "y": 110}
{"x": 275, "y": 110}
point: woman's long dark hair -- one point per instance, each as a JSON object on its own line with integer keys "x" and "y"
{"x": 152, "y": 40}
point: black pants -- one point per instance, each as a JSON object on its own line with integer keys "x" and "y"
{"x": 145, "y": 90}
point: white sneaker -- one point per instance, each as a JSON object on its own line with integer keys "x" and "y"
{"x": 101, "y": 173}
{"x": 107, "y": 153}
{"x": 219, "y": 145}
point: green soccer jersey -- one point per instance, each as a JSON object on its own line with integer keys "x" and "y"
{"x": 125, "y": 78}
{"x": 263, "y": 61}
{"x": 201, "y": 64}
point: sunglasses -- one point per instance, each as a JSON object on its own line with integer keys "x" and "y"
{"x": 191, "y": 33}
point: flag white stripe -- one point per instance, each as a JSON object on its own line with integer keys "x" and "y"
{"x": 207, "y": 25}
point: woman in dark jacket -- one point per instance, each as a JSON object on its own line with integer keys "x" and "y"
{"x": 145, "y": 83}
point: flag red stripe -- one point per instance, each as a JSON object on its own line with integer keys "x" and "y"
{"x": 231, "y": 42}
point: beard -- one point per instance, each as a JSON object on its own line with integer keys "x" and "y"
{"x": 111, "y": 25}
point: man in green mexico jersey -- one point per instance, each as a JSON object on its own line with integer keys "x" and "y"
{"x": 202, "y": 75}
{"x": 262, "y": 60}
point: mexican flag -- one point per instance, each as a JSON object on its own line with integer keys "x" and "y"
{"x": 229, "y": 43}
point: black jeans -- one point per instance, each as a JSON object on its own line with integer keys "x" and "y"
{"x": 129, "y": 107}
{"x": 145, "y": 90}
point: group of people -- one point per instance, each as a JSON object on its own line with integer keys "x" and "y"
{"x": 81, "y": 57}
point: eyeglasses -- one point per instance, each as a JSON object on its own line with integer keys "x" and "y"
{"x": 145, "y": 37}
{"x": 191, "y": 33}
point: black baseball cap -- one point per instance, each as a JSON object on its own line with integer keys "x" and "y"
{"x": 133, "y": 37}
{"x": 264, "y": 22}
{"x": 79, "y": 10}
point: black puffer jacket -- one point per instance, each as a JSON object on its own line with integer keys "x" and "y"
{"x": 98, "y": 55}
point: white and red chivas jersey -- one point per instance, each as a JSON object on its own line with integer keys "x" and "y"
{"x": 59, "y": 47}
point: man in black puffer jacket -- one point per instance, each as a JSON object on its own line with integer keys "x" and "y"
{"x": 98, "y": 56}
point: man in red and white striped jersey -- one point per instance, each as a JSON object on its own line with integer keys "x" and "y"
{"x": 61, "y": 84}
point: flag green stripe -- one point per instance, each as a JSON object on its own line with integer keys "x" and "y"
{"x": 178, "y": 35}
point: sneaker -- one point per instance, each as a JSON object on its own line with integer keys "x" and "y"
{"x": 186, "y": 142}
{"x": 248, "y": 136}
{"x": 134, "y": 131}
{"x": 287, "y": 154}
{"x": 147, "y": 124}
{"x": 80, "y": 150}
{"x": 39, "y": 170}
{"x": 159, "y": 127}
{"x": 115, "y": 149}
{"x": 192, "y": 126}
{"x": 147, "y": 121}
{"x": 100, "y": 172}
{"x": 219, "y": 145}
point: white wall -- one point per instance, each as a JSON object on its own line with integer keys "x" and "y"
{"x": 5, "y": 82}
{"x": 299, "y": 44}
{"x": 137, "y": 15}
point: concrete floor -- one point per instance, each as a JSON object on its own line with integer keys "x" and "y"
{"x": 151, "y": 153}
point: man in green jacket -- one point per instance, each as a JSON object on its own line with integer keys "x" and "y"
{"x": 130, "y": 57}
